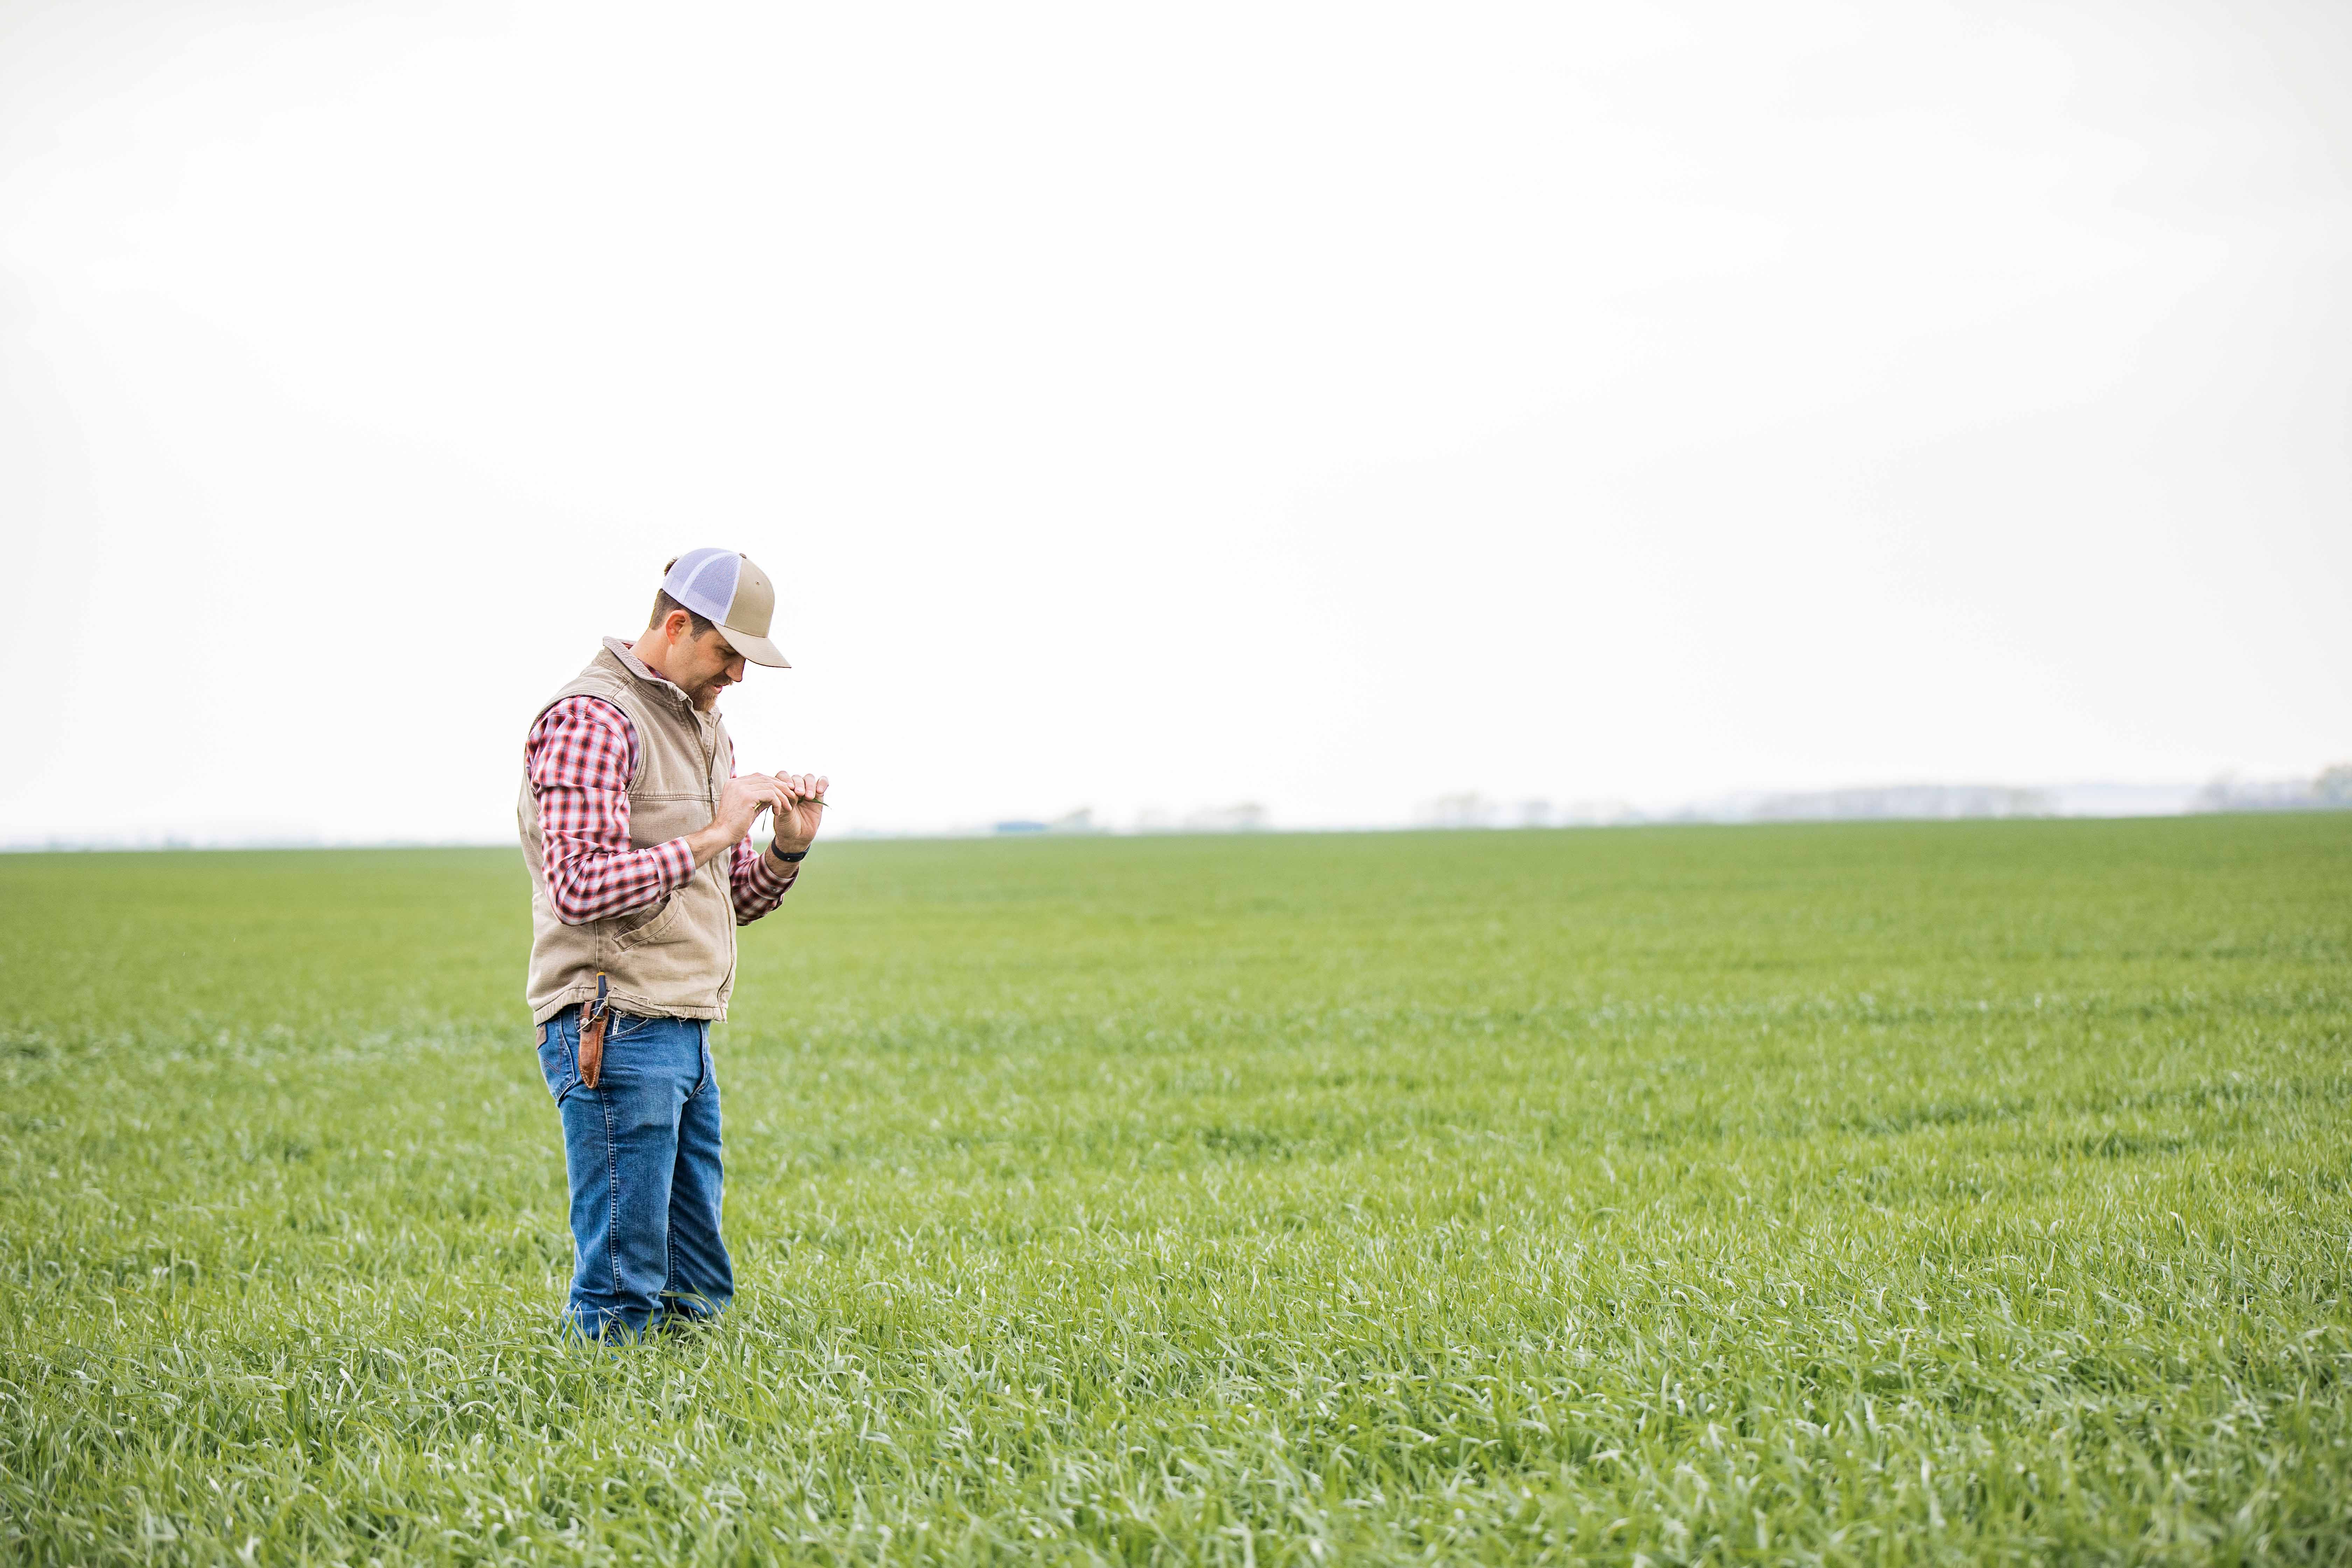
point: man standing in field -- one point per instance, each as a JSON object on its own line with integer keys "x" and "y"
{"x": 637, "y": 833}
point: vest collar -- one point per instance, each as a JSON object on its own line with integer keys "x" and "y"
{"x": 665, "y": 688}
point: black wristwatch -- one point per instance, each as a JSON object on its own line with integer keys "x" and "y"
{"x": 788, "y": 859}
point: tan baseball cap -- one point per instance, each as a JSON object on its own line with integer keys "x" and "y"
{"x": 724, "y": 586}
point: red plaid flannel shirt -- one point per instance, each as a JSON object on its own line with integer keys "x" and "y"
{"x": 579, "y": 756}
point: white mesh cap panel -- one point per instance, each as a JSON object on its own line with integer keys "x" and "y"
{"x": 704, "y": 582}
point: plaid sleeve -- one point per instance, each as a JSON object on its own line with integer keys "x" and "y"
{"x": 580, "y": 757}
{"x": 758, "y": 887}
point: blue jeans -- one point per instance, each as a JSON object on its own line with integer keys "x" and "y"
{"x": 643, "y": 1150}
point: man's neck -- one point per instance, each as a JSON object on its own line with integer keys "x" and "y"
{"x": 704, "y": 701}
{"x": 656, "y": 666}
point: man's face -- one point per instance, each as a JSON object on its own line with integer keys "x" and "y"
{"x": 705, "y": 666}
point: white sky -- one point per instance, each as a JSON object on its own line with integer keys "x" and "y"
{"x": 1332, "y": 406}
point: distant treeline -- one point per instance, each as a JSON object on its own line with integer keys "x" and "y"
{"x": 2331, "y": 791}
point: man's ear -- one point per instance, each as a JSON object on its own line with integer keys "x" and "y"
{"x": 677, "y": 625}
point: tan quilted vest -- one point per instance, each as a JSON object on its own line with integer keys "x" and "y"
{"x": 675, "y": 958}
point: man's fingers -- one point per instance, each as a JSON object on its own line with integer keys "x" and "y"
{"x": 793, "y": 789}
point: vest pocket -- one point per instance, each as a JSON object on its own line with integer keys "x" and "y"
{"x": 656, "y": 929}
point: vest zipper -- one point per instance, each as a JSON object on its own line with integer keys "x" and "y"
{"x": 727, "y": 879}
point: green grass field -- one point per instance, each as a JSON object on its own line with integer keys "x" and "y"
{"x": 1859, "y": 1194}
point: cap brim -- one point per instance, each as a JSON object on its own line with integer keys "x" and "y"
{"x": 759, "y": 650}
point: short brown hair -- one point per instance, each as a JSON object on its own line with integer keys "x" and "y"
{"x": 663, "y": 604}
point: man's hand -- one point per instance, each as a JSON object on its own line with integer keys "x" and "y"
{"x": 739, "y": 805}
{"x": 800, "y": 810}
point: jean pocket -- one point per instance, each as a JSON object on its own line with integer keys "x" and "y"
{"x": 557, "y": 1061}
